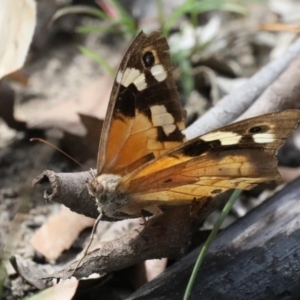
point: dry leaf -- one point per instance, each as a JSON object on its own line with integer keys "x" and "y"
{"x": 154, "y": 267}
{"x": 91, "y": 100}
{"x": 17, "y": 23}
{"x": 59, "y": 233}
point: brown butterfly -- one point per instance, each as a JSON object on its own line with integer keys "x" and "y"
{"x": 144, "y": 161}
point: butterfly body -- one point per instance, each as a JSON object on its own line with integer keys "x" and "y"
{"x": 108, "y": 198}
{"x": 144, "y": 161}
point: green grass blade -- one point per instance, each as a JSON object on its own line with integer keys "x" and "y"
{"x": 160, "y": 13}
{"x": 98, "y": 59}
{"x": 125, "y": 19}
{"x": 79, "y": 9}
{"x": 96, "y": 29}
{"x": 209, "y": 240}
{"x": 179, "y": 12}
{"x": 196, "y": 7}
{"x": 182, "y": 59}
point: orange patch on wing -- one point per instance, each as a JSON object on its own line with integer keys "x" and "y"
{"x": 204, "y": 188}
{"x": 169, "y": 173}
{"x": 118, "y": 134}
{"x": 130, "y": 140}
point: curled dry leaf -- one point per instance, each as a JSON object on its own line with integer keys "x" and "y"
{"x": 17, "y": 23}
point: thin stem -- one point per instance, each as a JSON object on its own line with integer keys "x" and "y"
{"x": 90, "y": 242}
{"x": 209, "y": 240}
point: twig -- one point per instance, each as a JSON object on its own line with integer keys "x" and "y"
{"x": 236, "y": 103}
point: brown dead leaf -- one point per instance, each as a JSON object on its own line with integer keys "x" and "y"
{"x": 92, "y": 100}
{"x": 59, "y": 233}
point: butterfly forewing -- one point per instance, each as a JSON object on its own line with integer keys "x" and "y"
{"x": 144, "y": 117}
{"x": 239, "y": 155}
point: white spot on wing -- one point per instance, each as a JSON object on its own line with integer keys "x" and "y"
{"x": 157, "y": 109}
{"x": 159, "y": 73}
{"x": 169, "y": 128}
{"x": 226, "y": 138}
{"x": 119, "y": 76}
{"x": 162, "y": 119}
{"x": 263, "y": 138}
{"x": 129, "y": 76}
{"x": 140, "y": 82}
{"x": 180, "y": 125}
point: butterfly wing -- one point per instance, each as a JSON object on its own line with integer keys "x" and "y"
{"x": 237, "y": 156}
{"x": 144, "y": 117}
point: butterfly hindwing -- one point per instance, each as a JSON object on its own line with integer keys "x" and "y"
{"x": 239, "y": 155}
{"x": 144, "y": 118}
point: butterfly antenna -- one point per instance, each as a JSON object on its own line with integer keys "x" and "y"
{"x": 90, "y": 242}
{"x": 56, "y": 148}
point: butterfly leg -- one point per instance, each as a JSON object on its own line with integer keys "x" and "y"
{"x": 153, "y": 210}
{"x": 85, "y": 252}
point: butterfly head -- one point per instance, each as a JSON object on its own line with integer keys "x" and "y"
{"x": 108, "y": 198}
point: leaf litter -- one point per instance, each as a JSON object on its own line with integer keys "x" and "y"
{"x": 58, "y": 90}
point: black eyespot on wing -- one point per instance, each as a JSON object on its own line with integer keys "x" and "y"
{"x": 259, "y": 129}
{"x": 148, "y": 59}
{"x": 199, "y": 147}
